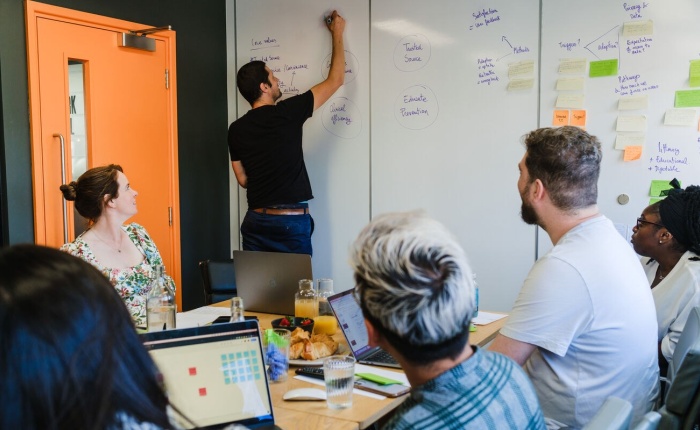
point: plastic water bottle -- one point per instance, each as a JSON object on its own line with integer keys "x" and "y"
{"x": 160, "y": 303}
{"x": 237, "y": 312}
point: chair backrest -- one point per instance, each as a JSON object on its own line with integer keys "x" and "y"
{"x": 650, "y": 421}
{"x": 690, "y": 338}
{"x": 218, "y": 279}
{"x": 682, "y": 408}
{"x": 615, "y": 414}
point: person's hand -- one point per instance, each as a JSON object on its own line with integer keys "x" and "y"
{"x": 337, "y": 24}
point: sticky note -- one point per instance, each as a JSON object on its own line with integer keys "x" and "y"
{"x": 632, "y": 153}
{"x": 680, "y": 117}
{"x": 520, "y": 84}
{"x": 689, "y": 98}
{"x": 571, "y": 101}
{"x": 377, "y": 378}
{"x": 578, "y": 118}
{"x": 659, "y": 185}
{"x": 623, "y": 140}
{"x": 633, "y": 102}
{"x": 570, "y": 84}
{"x": 694, "y": 73}
{"x": 521, "y": 68}
{"x": 572, "y": 66}
{"x": 631, "y": 123}
{"x": 561, "y": 118}
{"x": 638, "y": 28}
{"x": 603, "y": 68}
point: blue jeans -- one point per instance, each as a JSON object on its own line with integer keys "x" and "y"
{"x": 277, "y": 233}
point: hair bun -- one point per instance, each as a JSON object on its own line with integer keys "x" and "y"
{"x": 69, "y": 190}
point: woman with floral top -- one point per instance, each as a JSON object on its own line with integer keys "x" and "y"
{"x": 125, "y": 254}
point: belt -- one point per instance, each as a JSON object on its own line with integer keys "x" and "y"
{"x": 276, "y": 211}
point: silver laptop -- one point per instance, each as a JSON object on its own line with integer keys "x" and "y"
{"x": 214, "y": 375}
{"x": 352, "y": 323}
{"x": 268, "y": 281}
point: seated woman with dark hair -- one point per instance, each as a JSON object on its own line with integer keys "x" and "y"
{"x": 69, "y": 355}
{"x": 126, "y": 254}
{"x": 668, "y": 236}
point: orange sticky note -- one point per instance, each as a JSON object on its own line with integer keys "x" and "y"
{"x": 561, "y": 117}
{"x": 632, "y": 153}
{"x": 578, "y": 118}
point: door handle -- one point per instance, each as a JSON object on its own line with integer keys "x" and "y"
{"x": 63, "y": 181}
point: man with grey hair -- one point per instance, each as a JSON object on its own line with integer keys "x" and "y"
{"x": 584, "y": 323}
{"x": 414, "y": 286}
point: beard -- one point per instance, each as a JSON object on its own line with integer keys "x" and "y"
{"x": 527, "y": 212}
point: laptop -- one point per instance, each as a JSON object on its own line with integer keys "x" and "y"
{"x": 352, "y": 324}
{"x": 268, "y": 281}
{"x": 214, "y": 375}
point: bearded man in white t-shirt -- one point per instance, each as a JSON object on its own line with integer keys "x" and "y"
{"x": 584, "y": 324}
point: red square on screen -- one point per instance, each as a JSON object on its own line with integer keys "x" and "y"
{"x": 203, "y": 391}
{"x": 193, "y": 371}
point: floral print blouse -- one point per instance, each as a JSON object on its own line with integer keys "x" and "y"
{"x": 133, "y": 283}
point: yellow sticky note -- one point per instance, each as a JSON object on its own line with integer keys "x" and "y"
{"x": 632, "y": 153}
{"x": 603, "y": 68}
{"x": 695, "y": 73}
{"x": 578, "y": 118}
{"x": 561, "y": 118}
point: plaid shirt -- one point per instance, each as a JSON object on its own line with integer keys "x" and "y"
{"x": 487, "y": 391}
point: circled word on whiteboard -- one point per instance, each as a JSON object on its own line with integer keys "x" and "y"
{"x": 412, "y": 53}
{"x": 416, "y": 107}
{"x": 352, "y": 67}
{"x": 342, "y": 118}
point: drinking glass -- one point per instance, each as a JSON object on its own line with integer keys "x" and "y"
{"x": 339, "y": 375}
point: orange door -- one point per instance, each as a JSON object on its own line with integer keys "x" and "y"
{"x": 130, "y": 119}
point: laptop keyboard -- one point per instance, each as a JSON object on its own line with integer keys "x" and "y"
{"x": 382, "y": 356}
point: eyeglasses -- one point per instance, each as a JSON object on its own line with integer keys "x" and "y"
{"x": 641, "y": 221}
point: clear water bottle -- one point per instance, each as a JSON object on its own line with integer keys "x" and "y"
{"x": 237, "y": 310}
{"x": 305, "y": 300}
{"x": 160, "y": 303}
{"x": 325, "y": 322}
{"x": 476, "y": 295}
{"x": 324, "y": 287}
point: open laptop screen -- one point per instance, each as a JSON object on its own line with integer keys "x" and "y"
{"x": 215, "y": 374}
{"x": 351, "y": 321}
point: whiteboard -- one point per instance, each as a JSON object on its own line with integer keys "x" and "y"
{"x": 653, "y": 65}
{"x": 291, "y": 37}
{"x": 446, "y": 131}
{"x": 444, "y": 90}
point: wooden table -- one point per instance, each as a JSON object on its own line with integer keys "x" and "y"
{"x": 365, "y": 411}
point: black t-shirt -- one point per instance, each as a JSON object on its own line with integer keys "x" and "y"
{"x": 268, "y": 142}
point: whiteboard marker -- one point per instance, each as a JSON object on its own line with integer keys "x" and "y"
{"x": 329, "y": 20}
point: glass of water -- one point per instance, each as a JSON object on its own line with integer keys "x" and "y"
{"x": 339, "y": 375}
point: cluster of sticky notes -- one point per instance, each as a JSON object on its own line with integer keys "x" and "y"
{"x": 569, "y": 117}
{"x": 521, "y": 75}
{"x": 657, "y": 188}
{"x": 682, "y": 115}
{"x": 569, "y": 105}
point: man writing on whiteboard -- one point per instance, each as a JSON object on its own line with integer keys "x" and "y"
{"x": 265, "y": 146}
{"x": 584, "y": 323}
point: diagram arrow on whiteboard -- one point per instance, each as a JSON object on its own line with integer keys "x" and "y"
{"x": 600, "y": 37}
{"x": 504, "y": 39}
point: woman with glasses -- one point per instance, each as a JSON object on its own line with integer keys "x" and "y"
{"x": 667, "y": 235}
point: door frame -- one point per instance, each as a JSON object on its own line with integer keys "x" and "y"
{"x": 35, "y": 10}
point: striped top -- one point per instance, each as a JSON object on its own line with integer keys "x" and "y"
{"x": 486, "y": 391}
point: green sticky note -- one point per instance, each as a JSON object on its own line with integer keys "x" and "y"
{"x": 659, "y": 185}
{"x": 603, "y": 68}
{"x": 689, "y": 98}
{"x": 695, "y": 73}
{"x": 377, "y": 378}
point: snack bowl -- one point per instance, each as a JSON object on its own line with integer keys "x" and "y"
{"x": 293, "y": 323}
